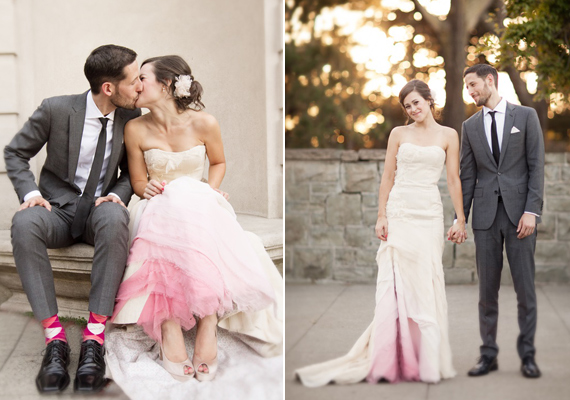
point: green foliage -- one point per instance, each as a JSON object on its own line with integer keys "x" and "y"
{"x": 539, "y": 40}
{"x": 336, "y": 95}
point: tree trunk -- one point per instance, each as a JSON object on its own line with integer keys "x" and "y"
{"x": 453, "y": 41}
{"x": 527, "y": 99}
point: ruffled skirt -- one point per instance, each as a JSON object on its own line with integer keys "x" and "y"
{"x": 190, "y": 258}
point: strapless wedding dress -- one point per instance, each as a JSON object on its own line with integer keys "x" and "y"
{"x": 408, "y": 337}
{"x": 189, "y": 258}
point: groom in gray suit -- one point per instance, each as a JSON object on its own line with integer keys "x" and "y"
{"x": 80, "y": 198}
{"x": 502, "y": 173}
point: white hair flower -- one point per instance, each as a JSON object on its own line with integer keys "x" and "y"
{"x": 182, "y": 85}
{"x": 433, "y": 95}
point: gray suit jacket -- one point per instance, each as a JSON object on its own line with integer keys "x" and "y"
{"x": 58, "y": 123}
{"x": 519, "y": 177}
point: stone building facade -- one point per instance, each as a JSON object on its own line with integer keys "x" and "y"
{"x": 331, "y": 206}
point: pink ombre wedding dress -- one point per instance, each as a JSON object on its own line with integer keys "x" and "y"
{"x": 190, "y": 258}
{"x": 408, "y": 337}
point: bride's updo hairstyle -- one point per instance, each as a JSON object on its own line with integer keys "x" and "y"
{"x": 415, "y": 85}
{"x": 175, "y": 70}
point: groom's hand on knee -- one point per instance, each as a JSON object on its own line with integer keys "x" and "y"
{"x": 110, "y": 198}
{"x": 35, "y": 201}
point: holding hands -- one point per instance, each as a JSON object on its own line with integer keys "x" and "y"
{"x": 457, "y": 233}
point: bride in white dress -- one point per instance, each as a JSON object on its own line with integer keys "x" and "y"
{"x": 408, "y": 337}
{"x": 190, "y": 262}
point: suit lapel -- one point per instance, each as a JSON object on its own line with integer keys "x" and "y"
{"x": 76, "y": 124}
{"x": 509, "y": 122}
{"x": 118, "y": 126}
{"x": 481, "y": 133}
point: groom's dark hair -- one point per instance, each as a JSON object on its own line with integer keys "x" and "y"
{"x": 482, "y": 71}
{"x": 106, "y": 64}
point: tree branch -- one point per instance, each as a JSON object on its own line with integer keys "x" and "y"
{"x": 436, "y": 25}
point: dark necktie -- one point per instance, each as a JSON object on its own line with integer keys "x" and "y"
{"x": 86, "y": 200}
{"x": 494, "y": 138}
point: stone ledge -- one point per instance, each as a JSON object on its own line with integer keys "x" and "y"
{"x": 335, "y": 155}
{"x": 72, "y": 267}
{"x": 269, "y": 230}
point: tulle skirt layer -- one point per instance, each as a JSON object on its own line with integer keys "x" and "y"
{"x": 190, "y": 258}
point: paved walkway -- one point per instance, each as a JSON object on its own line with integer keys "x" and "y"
{"x": 324, "y": 321}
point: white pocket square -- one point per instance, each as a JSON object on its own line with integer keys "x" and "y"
{"x": 515, "y": 130}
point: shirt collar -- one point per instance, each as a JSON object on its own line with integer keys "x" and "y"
{"x": 92, "y": 111}
{"x": 501, "y": 107}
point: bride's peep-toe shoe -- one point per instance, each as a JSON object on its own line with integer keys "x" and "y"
{"x": 212, "y": 366}
{"x": 176, "y": 369}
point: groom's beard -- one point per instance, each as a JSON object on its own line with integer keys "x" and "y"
{"x": 484, "y": 96}
{"x": 122, "y": 102}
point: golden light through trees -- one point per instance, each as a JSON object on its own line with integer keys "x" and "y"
{"x": 389, "y": 42}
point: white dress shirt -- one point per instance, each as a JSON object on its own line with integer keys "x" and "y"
{"x": 501, "y": 110}
{"x": 91, "y": 129}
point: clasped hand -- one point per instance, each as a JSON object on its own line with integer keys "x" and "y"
{"x": 457, "y": 233}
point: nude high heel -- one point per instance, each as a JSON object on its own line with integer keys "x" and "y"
{"x": 212, "y": 366}
{"x": 176, "y": 369}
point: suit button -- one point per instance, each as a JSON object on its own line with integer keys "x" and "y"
{"x": 498, "y": 173}
{"x": 496, "y": 192}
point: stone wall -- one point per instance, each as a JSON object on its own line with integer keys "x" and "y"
{"x": 331, "y": 203}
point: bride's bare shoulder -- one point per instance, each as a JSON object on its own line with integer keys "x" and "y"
{"x": 450, "y": 133}
{"x": 203, "y": 122}
{"x": 136, "y": 125}
{"x": 398, "y": 131}
{"x": 398, "y": 134}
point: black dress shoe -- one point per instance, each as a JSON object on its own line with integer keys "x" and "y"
{"x": 53, "y": 376}
{"x": 529, "y": 368}
{"x": 90, "y": 376}
{"x": 484, "y": 366}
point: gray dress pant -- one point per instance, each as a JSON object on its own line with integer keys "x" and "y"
{"x": 36, "y": 229}
{"x": 489, "y": 257}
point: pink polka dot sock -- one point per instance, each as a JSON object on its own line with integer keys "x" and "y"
{"x": 95, "y": 329}
{"x": 53, "y": 329}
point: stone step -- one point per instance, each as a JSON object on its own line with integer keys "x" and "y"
{"x": 72, "y": 268}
